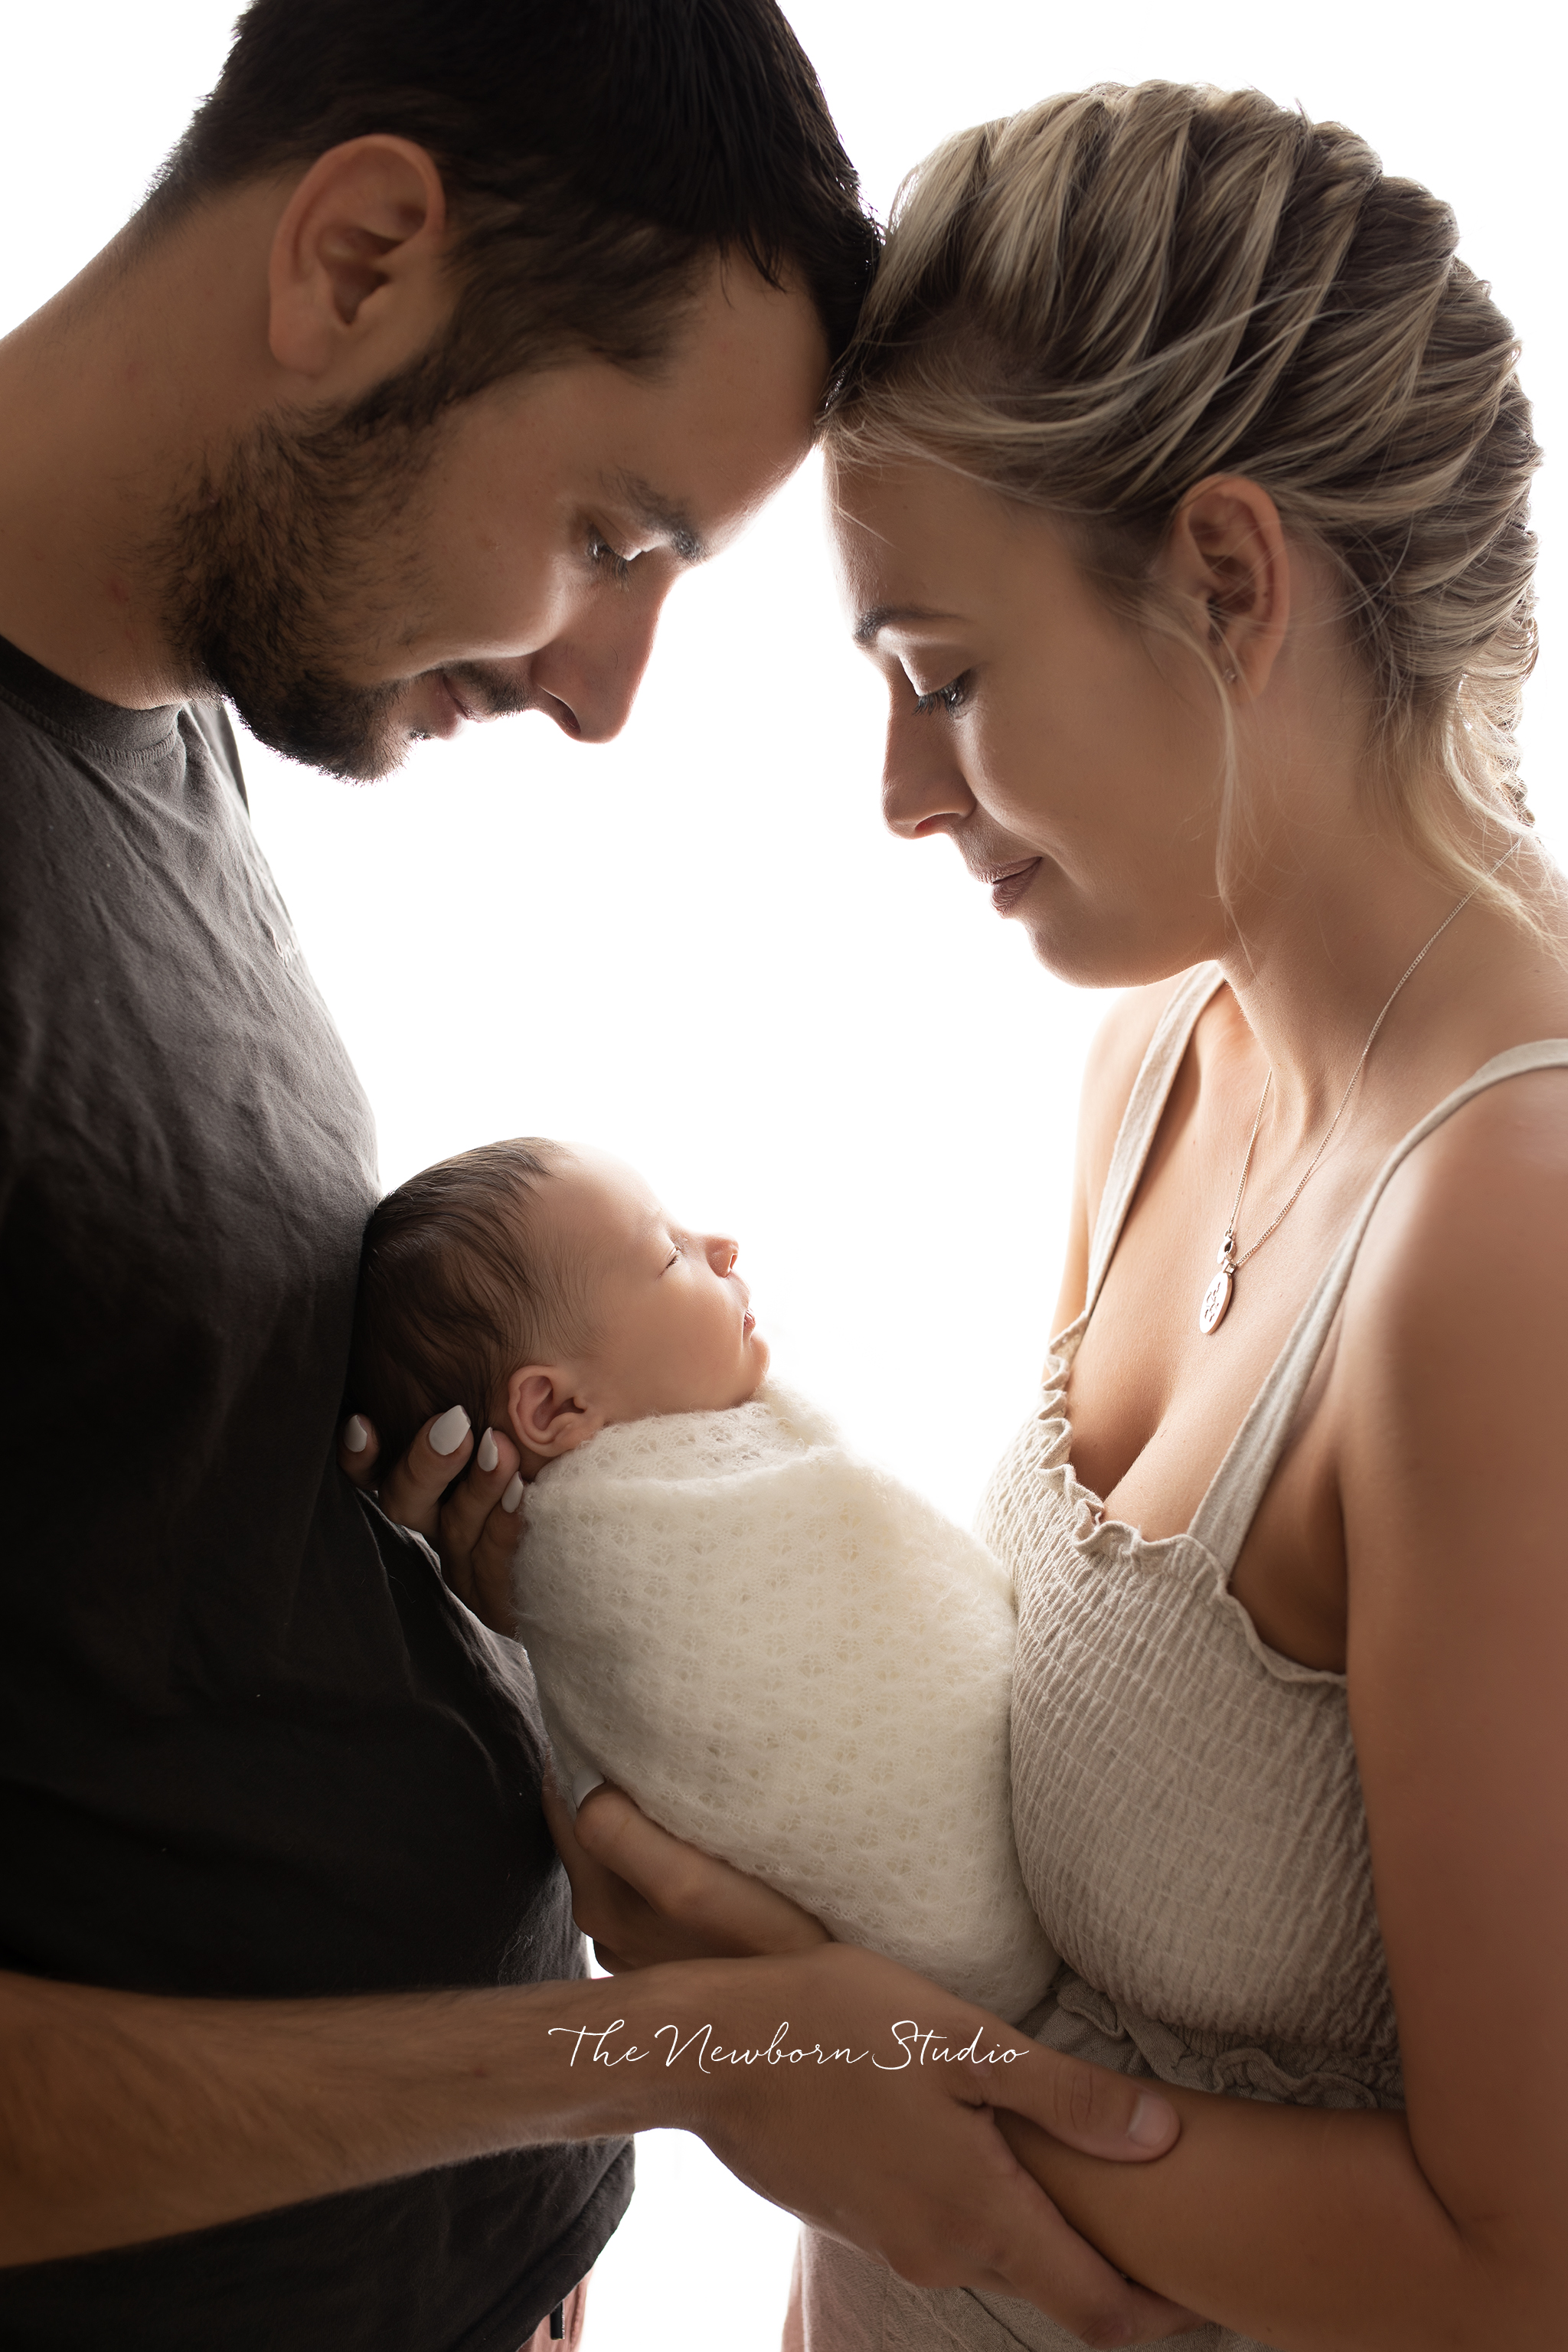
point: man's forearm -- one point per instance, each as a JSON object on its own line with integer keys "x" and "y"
{"x": 124, "y": 2117}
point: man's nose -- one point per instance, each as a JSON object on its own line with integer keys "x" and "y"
{"x": 594, "y": 667}
{"x": 924, "y": 789}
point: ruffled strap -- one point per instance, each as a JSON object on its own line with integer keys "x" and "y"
{"x": 1084, "y": 2023}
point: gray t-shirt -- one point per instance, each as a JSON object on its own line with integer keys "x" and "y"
{"x": 250, "y": 1743}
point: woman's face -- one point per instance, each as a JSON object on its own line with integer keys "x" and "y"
{"x": 1076, "y": 763}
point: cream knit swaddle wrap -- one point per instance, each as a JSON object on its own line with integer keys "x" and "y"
{"x": 791, "y": 1660}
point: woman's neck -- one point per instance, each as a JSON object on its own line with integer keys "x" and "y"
{"x": 1324, "y": 938}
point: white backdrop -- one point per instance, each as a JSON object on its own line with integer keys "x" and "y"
{"x": 818, "y": 1038}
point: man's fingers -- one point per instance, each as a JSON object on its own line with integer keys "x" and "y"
{"x": 1047, "y": 2263}
{"x": 1091, "y": 2108}
{"x": 721, "y": 1908}
{"x": 357, "y": 1450}
{"x": 411, "y": 1492}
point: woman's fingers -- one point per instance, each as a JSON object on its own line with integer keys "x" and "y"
{"x": 411, "y": 1491}
{"x": 476, "y": 1526}
{"x": 718, "y": 1910}
{"x": 646, "y": 1897}
{"x": 357, "y": 1451}
{"x": 481, "y": 1525}
{"x": 603, "y": 1907}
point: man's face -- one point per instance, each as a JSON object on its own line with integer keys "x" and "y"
{"x": 351, "y": 595}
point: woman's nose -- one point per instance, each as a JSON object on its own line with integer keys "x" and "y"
{"x": 923, "y": 790}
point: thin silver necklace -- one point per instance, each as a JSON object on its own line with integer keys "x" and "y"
{"x": 1217, "y": 1297}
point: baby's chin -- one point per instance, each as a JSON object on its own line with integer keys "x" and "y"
{"x": 759, "y": 1356}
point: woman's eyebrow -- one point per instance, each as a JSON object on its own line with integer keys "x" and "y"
{"x": 871, "y": 624}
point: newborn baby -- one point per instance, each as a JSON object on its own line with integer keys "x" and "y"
{"x": 785, "y": 1657}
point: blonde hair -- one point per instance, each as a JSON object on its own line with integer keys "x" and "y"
{"x": 1093, "y": 305}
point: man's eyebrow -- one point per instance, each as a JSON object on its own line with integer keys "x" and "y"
{"x": 664, "y": 516}
{"x": 869, "y": 626}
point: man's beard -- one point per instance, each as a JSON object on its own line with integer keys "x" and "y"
{"x": 260, "y": 568}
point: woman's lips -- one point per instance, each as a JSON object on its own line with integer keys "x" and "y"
{"x": 1008, "y": 882}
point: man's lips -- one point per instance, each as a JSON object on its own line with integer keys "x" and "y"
{"x": 1008, "y": 882}
{"x": 479, "y": 697}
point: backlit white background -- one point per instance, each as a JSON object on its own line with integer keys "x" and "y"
{"x": 697, "y": 946}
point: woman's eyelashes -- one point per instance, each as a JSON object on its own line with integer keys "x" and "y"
{"x": 950, "y": 698}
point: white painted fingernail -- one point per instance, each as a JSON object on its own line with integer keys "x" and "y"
{"x": 513, "y": 1494}
{"x": 356, "y": 1436}
{"x": 584, "y": 1784}
{"x": 488, "y": 1453}
{"x": 448, "y": 1434}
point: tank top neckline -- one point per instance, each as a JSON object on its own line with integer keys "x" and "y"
{"x": 1219, "y": 1526}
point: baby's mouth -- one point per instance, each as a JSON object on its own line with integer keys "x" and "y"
{"x": 748, "y": 1324}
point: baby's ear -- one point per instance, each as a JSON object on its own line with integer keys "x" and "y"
{"x": 546, "y": 1418}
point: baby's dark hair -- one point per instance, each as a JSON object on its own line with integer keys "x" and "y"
{"x": 455, "y": 1292}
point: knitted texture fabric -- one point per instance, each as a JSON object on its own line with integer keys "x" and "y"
{"x": 791, "y": 1660}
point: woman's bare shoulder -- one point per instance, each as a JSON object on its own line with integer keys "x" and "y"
{"x": 1490, "y": 1185}
{"x": 1460, "y": 1290}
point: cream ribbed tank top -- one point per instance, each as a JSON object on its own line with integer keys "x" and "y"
{"x": 1185, "y": 1800}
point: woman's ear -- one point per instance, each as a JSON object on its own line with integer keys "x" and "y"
{"x": 355, "y": 284}
{"x": 1226, "y": 556}
{"x": 546, "y": 1417}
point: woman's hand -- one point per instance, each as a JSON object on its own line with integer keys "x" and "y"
{"x": 476, "y": 1529}
{"x": 643, "y": 1896}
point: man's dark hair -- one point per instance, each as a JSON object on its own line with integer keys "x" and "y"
{"x": 455, "y": 1290}
{"x": 596, "y": 153}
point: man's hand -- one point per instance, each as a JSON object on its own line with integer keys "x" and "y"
{"x": 476, "y": 1528}
{"x": 645, "y": 1897}
{"x": 888, "y": 2139}
{"x": 964, "y": 2211}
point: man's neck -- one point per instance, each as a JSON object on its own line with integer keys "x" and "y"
{"x": 116, "y": 399}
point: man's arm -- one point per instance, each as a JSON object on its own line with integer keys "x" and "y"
{"x": 124, "y": 2117}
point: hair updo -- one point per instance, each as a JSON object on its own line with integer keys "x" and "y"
{"x": 1092, "y": 305}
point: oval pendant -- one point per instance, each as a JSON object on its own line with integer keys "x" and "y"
{"x": 1216, "y": 1300}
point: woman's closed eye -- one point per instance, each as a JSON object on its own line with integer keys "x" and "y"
{"x": 950, "y": 698}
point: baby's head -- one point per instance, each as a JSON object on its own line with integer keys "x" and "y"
{"x": 542, "y": 1286}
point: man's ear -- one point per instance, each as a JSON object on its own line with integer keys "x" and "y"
{"x": 355, "y": 285}
{"x": 1226, "y": 555}
{"x": 546, "y": 1417}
